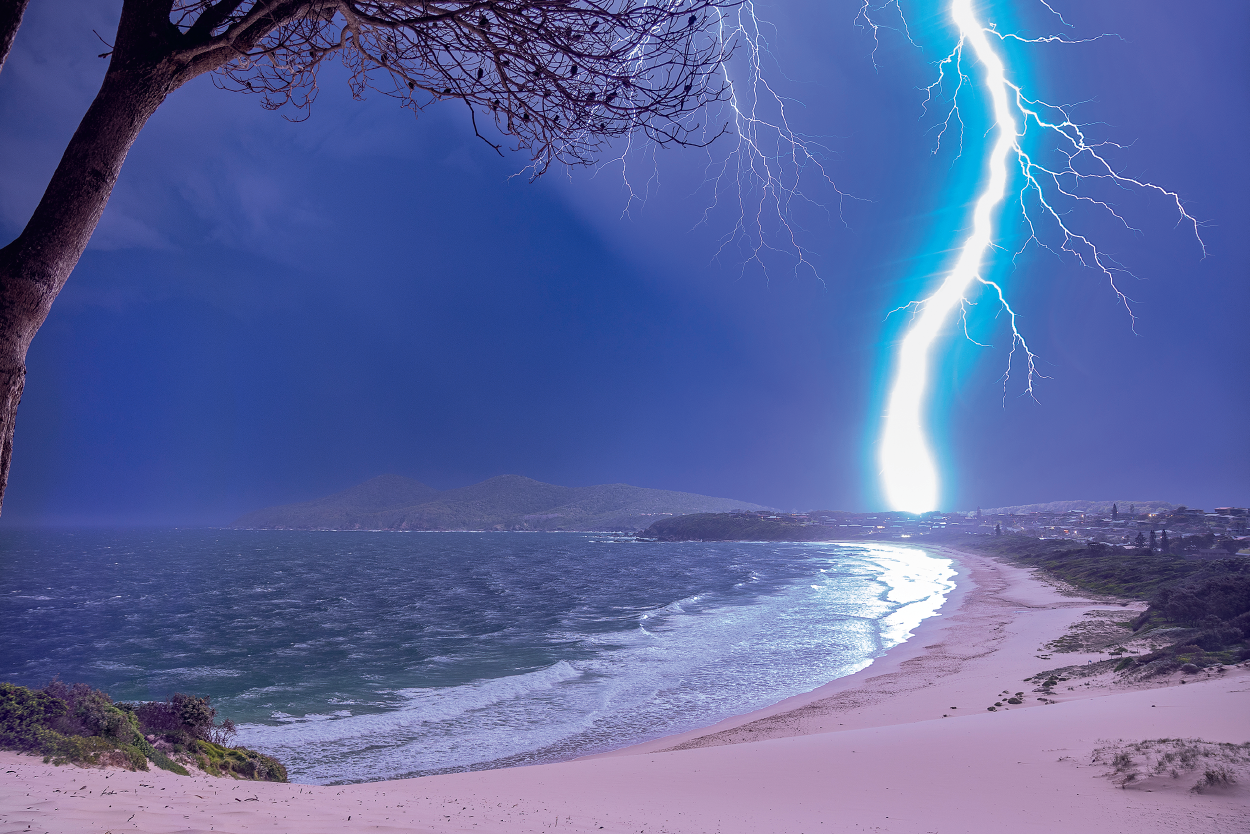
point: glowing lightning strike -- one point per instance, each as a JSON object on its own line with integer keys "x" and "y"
{"x": 907, "y": 464}
{"x": 760, "y": 181}
{"x": 909, "y": 472}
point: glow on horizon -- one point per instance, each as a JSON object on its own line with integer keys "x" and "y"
{"x": 909, "y": 470}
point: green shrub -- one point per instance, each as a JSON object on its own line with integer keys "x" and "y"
{"x": 238, "y": 761}
{"x": 182, "y": 719}
{"x": 1223, "y": 597}
{"x": 88, "y": 712}
{"x": 23, "y": 713}
{"x": 65, "y": 723}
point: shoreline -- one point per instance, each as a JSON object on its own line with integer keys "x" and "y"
{"x": 888, "y": 662}
{"x": 904, "y": 745}
{"x": 977, "y": 618}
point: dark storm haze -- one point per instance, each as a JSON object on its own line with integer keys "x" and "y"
{"x": 271, "y": 311}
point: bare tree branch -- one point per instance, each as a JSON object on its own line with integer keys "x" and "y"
{"x": 11, "y": 12}
{"x": 562, "y": 78}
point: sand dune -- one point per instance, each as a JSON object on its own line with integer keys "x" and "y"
{"x": 906, "y": 745}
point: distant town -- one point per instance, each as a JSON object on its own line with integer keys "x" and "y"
{"x": 1186, "y": 531}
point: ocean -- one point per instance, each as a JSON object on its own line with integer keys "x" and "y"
{"x": 363, "y": 656}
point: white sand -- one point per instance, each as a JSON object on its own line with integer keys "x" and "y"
{"x": 871, "y": 752}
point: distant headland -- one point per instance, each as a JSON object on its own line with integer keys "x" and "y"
{"x": 506, "y": 502}
{"x": 1131, "y": 525}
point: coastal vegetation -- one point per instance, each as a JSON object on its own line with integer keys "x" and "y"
{"x": 1217, "y": 764}
{"x": 77, "y": 724}
{"x": 1101, "y": 569}
{"x": 1198, "y": 613}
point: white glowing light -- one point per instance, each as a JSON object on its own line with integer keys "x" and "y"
{"x": 907, "y": 464}
{"x": 909, "y": 472}
{"x": 761, "y": 176}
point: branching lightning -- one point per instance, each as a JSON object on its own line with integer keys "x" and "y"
{"x": 762, "y": 176}
{"x": 908, "y": 469}
{"x": 765, "y": 169}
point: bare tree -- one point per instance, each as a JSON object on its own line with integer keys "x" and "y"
{"x": 557, "y": 78}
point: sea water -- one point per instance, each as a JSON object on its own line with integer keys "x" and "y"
{"x": 363, "y": 656}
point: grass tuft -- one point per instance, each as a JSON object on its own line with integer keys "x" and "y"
{"x": 1219, "y": 762}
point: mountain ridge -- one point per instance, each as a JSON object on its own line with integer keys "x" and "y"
{"x": 505, "y": 502}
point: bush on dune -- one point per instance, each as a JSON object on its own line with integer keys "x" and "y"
{"x": 1225, "y": 597}
{"x": 78, "y": 724}
{"x": 74, "y": 724}
{"x": 182, "y": 719}
{"x": 1217, "y": 607}
{"x": 237, "y": 761}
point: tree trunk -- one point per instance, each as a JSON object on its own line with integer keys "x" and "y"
{"x": 12, "y": 381}
{"x": 35, "y": 266}
{"x": 11, "y": 12}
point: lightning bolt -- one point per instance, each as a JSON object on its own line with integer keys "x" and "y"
{"x": 761, "y": 181}
{"x": 908, "y": 469}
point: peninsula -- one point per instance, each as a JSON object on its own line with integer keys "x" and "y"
{"x": 506, "y": 502}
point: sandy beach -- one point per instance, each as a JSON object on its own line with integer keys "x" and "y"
{"x": 906, "y": 745}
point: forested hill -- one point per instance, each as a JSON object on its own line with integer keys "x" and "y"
{"x": 507, "y": 502}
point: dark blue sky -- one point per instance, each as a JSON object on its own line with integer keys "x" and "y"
{"x": 273, "y": 311}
